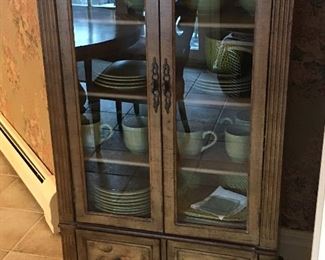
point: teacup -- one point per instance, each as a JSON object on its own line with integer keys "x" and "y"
{"x": 240, "y": 118}
{"x": 92, "y": 134}
{"x": 135, "y": 133}
{"x": 192, "y": 143}
{"x": 237, "y": 142}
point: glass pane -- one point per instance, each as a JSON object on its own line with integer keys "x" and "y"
{"x": 111, "y": 65}
{"x": 214, "y": 46}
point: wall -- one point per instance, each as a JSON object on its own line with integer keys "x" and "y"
{"x": 305, "y": 116}
{"x": 23, "y": 98}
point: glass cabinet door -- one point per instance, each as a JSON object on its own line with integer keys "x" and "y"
{"x": 117, "y": 55}
{"x": 214, "y": 88}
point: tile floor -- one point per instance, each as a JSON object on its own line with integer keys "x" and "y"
{"x": 24, "y": 233}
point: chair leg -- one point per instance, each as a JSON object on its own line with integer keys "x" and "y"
{"x": 118, "y": 106}
{"x": 136, "y": 108}
{"x": 182, "y": 112}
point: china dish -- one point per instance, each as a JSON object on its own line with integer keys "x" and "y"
{"x": 123, "y": 75}
{"x": 218, "y": 84}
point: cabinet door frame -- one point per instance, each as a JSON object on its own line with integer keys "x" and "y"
{"x": 71, "y": 95}
{"x": 219, "y": 251}
{"x": 84, "y": 235}
{"x": 258, "y": 101}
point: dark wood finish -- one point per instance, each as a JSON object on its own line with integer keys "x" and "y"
{"x": 55, "y": 96}
{"x": 275, "y": 120}
{"x": 190, "y": 251}
{"x": 69, "y": 242}
{"x": 268, "y": 257}
{"x": 96, "y": 245}
{"x": 272, "y": 32}
{"x": 73, "y": 117}
{"x": 258, "y": 99}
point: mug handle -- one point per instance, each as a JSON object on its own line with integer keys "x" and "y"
{"x": 227, "y": 120}
{"x": 111, "y": 132}
{"x": 215, "y": 138}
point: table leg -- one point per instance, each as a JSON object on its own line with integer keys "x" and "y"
{"x": 94, "y": 102}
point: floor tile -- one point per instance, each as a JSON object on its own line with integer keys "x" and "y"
{"x": 5, "y": 181}
{"x": 14, "y": 224}
{"x": 5, "y": 167}
{"x": 40, "y": 241}
{"x": 3, "y": 254}
{"x": 21, "y": 256}
{"x": 18, "y": 196}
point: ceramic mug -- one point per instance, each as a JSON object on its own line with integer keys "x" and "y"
{"x": 135, "y": 133}
{"x": 241, "y": 118}
{"x": 92, "y": 134}
{"x": 192, "y": 143}
{"x": 237, "y": 142}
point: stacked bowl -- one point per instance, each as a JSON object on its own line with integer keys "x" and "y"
{"x": 123, "y": 75}
{"x": 229, "y": 59}
{"x": 226, "y": 84}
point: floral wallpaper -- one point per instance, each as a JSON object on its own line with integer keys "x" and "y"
{"x": 23, "y": 98}
{"x": 305, "y": 116}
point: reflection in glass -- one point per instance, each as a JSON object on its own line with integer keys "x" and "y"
{"x": 111, "y": 65}
{"x": 214, "y": 43}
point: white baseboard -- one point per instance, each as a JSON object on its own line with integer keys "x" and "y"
{"x": 34, "y": 174}
{"x": 295, "y": 245}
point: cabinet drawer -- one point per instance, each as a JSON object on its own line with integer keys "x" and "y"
{"x": 191, "y": 251}
{"x": 103, "y": 246}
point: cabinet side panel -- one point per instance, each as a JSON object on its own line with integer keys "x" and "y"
{"x": 69, "y": 244}
{"x": 54, "y": 85}
{"x": 275, "y": 119}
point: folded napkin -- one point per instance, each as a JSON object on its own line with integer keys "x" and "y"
{"x": 222, "y": 203}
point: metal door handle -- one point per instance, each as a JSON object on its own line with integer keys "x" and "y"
{"x": 155, "y": 85}
{"x": 166, "y": 86}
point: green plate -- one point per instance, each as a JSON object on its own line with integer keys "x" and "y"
{"x": 126, "y": 69}
{"x": 126, "y": 194}
{"x": 116, "y": 211}
{"x": 122, "y": 203}
{"x": 122, "y": 209}
{"x": 120, "y": 83}
{"x": 125, "y": 87}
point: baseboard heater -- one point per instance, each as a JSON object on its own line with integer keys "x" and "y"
{"x": 32, "y": 171}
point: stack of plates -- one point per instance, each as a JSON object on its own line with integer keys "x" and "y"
{"x": 123, "y": 195}
{"x": 228, "y": 84}
{"x": 123, "y": 75}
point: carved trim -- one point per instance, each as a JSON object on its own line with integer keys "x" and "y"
{"x": 54, "y": 87}
{"x": 275, "y": 120}
{"x": 69, "y": 243}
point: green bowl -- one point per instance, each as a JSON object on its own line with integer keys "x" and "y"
{"x": 222, "y": 58}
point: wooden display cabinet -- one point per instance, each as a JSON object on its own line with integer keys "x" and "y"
{"x": 153, "y": 108}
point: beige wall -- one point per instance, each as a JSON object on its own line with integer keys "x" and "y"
{"x": 22, "y": 83}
